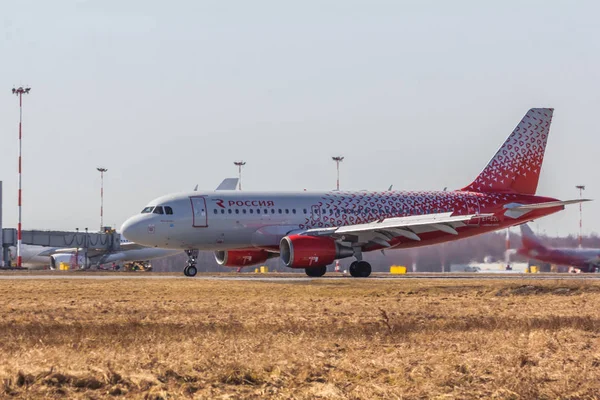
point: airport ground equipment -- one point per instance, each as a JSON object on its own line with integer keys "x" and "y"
{"x": 65, "y": 241}
{"x": 397, "y": 270}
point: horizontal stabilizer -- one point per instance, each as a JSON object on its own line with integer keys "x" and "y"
{"x": 516, "y": 210}
{"x": 228, "y": 184}
{"x": 539, "y": 206}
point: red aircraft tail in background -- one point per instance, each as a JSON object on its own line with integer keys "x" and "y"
{"x": 587, "y": 260}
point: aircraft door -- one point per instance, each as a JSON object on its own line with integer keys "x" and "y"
{"x": 315, "y": 212}
{"x": 473, "y": 208}
{"x": 199, "y": 212}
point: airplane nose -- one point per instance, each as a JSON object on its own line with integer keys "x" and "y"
{"x": 132, "y": 229}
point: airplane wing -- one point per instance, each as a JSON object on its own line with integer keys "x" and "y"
{"x": 228, "y": 184}
{"x": 410, "y": 227}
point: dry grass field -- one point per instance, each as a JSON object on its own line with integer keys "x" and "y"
{"x": 348, "y": 339}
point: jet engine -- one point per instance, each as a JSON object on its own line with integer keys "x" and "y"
{"x": 297, "y": 251}
{"x": 242, "y": 258}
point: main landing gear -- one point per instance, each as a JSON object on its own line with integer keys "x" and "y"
{"x": 360, "y": 269}
{"x": 190, "y": 266}
{"x": 316, "y": 272}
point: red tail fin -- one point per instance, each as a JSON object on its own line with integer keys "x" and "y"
{"x": 529, "y": 240}
{"x": 516, "y": 166}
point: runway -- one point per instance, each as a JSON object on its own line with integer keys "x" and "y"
{"x": 299, "y": 278}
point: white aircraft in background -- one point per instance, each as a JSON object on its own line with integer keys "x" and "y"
{"x": 40, "y": 257}
{"x": 312, "y": 230}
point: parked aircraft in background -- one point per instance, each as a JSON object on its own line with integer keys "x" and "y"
{"x": 587, "y": 260}
{"x": 39, "y": 257}
{"x": 311, "y": 230}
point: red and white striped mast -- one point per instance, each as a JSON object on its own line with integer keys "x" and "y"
{"x": 507, "y": 249}
{"x": 19, "y": 92}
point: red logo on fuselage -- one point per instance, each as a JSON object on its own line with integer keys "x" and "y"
{"x": 220, "y": 203}
{"x": 251, "y": 203}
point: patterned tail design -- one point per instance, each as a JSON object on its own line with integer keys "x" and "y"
{"x": 516, "y": 166}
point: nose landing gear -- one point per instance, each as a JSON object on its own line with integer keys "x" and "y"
{"x": 190, "y": 266}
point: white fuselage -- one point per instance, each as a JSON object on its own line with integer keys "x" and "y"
{"x": 225, "y": 220}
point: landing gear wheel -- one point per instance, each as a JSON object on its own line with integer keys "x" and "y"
{"x": 360, "y": 269}
{"x": 316, "y": 272}
{"x": 191, "y": 271}
{"x": 190, "y": 267}
{"x": 352, "y": 268}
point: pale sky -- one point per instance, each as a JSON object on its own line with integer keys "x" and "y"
{"x": 166, "y": 95}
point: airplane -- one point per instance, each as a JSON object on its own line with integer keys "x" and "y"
{"x": 39, "y": 257}
{"x": 312, "y": 230}
{"x": 586, "y": 260}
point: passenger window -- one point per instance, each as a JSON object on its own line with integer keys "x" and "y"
{"x": 304, "y": 211}
{"x": 169, "y": 210}
{"x": 266, "y": 211}
{"x": 258, "y": 210}
{"x": 216, "y": 211}
{"x": 272, "y": 211}
{"x": 252, "y": 211}
{"x": 158, "y": 210}
{"x": 287, "y": 211}
{"x": 147, "y": 210}
{"x": 244, "y": 211}
{"x": 237, "y": 211}
{"x": 280, "y": 211}
{"x": 222, "y": 211}
{"x": 229, "y": 211}
{"x": 293, "y": 211}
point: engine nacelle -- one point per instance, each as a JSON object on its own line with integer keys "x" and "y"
{"x": 241, "y": 258}
{"x": 297, "y": 251}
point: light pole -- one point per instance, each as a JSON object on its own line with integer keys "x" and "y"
{"x": 338, "y": 160}
{"x": 20, "y": 92}
{"x": 507, "y": 249}
{"x": 102, "y": 171}
{"x": 240, "y": 164}
{"x": 581, "y": 189}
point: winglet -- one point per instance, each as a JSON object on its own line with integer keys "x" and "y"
{"x": 228, "y": 184}
{"x": 517, "y": 164}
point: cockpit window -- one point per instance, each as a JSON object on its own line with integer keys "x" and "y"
{"x": 147, "y": 210}
{"x": 168, "y": 210}
{"x": 158, "y": 210}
